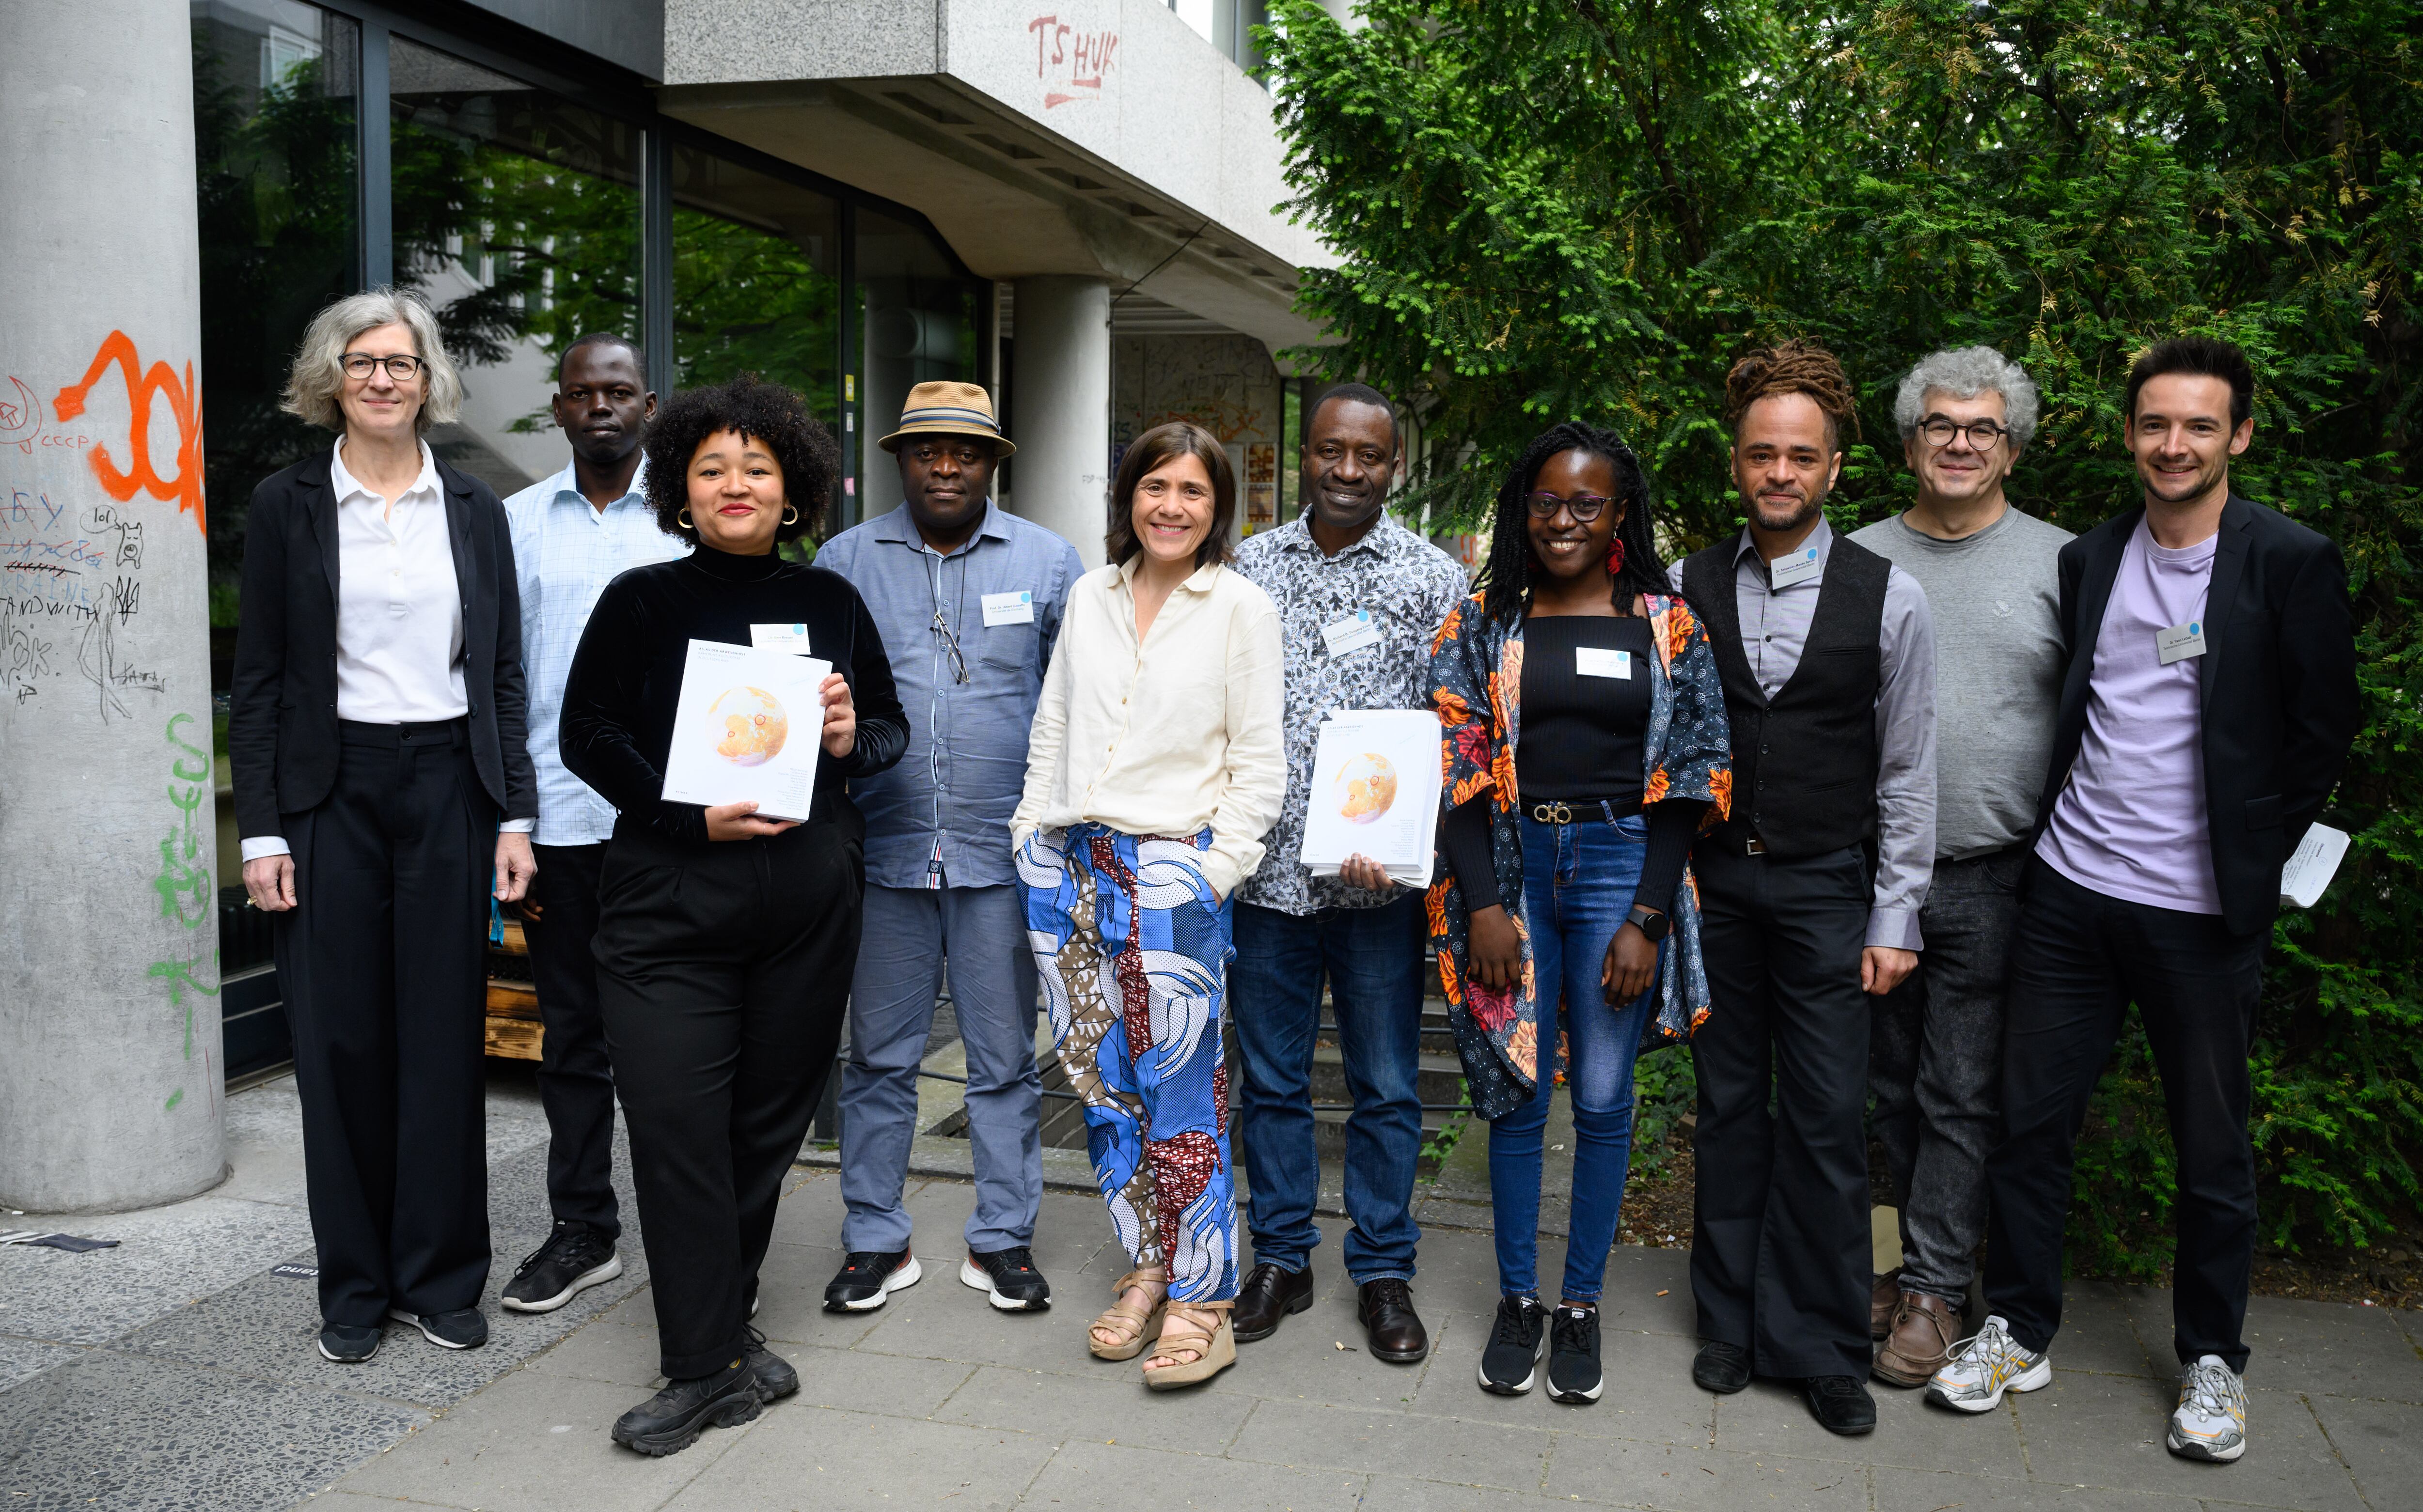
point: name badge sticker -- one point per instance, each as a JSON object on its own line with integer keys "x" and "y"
{"x": 1597, "y": 661}
{"x": 790, "y": 637}
{"x": 1351, "y": 634}
{"x": 1798, "y": 567}
{"x": 2178, "y": 643}
{"x": 1009, "y": 608}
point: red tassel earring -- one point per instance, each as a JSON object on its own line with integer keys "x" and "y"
{"x": 1615, "y": 559}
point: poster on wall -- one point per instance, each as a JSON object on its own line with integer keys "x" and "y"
{"x": 1261, "y": 486}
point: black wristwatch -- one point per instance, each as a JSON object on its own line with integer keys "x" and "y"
{"x": 1650, "y": 922}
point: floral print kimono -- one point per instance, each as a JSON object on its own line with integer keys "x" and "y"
{"x": 1477, "y": 680}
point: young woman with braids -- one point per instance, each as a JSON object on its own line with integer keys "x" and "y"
{"x": 1565, "y": 923}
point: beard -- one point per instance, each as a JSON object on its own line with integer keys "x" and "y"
{"x": 1790, "y": 518}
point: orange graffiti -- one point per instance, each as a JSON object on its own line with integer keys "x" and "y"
{"x": 186, "y": 487}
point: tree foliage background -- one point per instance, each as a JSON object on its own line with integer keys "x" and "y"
{"x": 1553, "y": 209}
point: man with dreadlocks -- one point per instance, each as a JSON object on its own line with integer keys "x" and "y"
{"x": 1810, "y": 890}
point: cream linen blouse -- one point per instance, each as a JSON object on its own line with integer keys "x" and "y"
{"x": 1166, "y": 737}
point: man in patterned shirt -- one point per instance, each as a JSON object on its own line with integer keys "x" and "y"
{"x": 1359, "y": 597}
{"x": 572, "y": 534}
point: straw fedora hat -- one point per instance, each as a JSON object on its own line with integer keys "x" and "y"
{"x": 949, "y": 409}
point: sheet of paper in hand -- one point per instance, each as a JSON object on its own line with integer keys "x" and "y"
{"x": 1375, "y": 792}
{"x": 2310, "y": 869}
{"x": 750, "y": 724}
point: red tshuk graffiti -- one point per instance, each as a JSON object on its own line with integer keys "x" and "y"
{"x": 1069, "y": 59}
{"x": 141, "y": 387}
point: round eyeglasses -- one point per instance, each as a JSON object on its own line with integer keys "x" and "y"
{"x": 1982, "y": 434}
{"x": 1584, "y": 508}
{"x": 404, "y": 370}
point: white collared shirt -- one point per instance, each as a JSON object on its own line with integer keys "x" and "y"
{"x": 1165, "y": 737}
{"x": 565, "y": 551}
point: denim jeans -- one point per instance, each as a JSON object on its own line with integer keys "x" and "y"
{"x": 1372, "y": 958}
{"x": 1578, "y": 883}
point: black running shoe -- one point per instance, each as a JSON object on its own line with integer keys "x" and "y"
{"x": 1573, "y": 1375}
{"x": 1511, "y": 1361}
{"x": 347, "y": 1345}
{"x": 868, "y": 1277}
{"x": 461, "y": 1328}
{"x": 776, "y": 1379}
{"x": 573, "y": 1258}
{"x": 1008, "y": 1279}
{"x": 671, "y": 1420}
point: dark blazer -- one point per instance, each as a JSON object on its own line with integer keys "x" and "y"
{"x": 2278, "y": 679}
{"x": 283, "y": 728}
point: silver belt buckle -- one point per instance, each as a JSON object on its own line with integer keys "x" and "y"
{"x": 1552, "y": 813}
{"x": 1753, "y": 847}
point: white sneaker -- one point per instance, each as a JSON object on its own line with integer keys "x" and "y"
{"x": 2210, "y": 1422}
{"x": 1983, "y": 1367}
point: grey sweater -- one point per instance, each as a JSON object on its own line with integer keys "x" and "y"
{"x": 1995, "y": 600}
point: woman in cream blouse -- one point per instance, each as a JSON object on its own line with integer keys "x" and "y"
{"x": 1154, "y": 770}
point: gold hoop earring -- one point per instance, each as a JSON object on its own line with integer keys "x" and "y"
{"x": 790, "y": 514}
{"x": 681, "y": 517}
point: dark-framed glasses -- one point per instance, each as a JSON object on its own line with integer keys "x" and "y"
{"x": 1939, "y": 431}
{"x": 404, "y": 370}
{"x": 1584, "y": 508}
{"x": 950, "y": 646}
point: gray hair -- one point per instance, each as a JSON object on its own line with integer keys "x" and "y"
{"x": 1965, "y": 372}
{"x": 319, "y": 374}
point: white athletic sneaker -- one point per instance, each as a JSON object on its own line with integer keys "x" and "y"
{"x": 1983, "y": 1367}
{"x": 2210, "y": 1422}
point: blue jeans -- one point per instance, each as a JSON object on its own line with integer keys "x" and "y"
{"x": 1577, "y": 885}
{"x": 1374, "y": 961}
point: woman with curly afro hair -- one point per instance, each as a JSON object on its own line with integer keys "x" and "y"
{"x": 725, "y": 942}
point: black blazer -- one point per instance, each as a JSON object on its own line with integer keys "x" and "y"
{"x": 282, "y": 728}
{"x": 2279, "y": 681}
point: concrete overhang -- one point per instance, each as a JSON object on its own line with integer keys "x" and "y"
{"x": 1103, "y": 138}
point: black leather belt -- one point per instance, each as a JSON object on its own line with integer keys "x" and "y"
{"x": 1564, "y": 811}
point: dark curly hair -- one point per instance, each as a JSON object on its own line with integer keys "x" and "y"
{"x": 766, "y": 413}
{"x": 1794, "y": 368}
{"x": 1506, "y": 582}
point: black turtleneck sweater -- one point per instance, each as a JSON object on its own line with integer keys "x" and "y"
{"x": 625, "y": 681}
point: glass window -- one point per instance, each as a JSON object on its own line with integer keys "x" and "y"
{"x": 518, "y": 217}
{"x": 755, "y": 285}
{"x": 917, "y": 323}
{"x": 279, "y": 200}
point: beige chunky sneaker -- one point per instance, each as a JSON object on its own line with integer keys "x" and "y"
{"x": 1986, "y": 1365}
{"x": 2210, "y": 1422}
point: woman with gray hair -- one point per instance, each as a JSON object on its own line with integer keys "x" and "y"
{"x": 376, "y": 742}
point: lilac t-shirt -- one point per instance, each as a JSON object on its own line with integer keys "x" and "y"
{"x": 2130, "y": 823}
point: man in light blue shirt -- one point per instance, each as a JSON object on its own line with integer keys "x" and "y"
{"x": 969, "y": 600}
{"x": 572, "y": 533}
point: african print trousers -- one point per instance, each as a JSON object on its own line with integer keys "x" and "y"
{"x": 1132, "y": 949}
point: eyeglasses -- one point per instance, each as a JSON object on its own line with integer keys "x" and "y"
{"x": 401, "y": 368}
{"x": 1584, "y": 508}
{"x": 950, "y": 646}
{"x": 1982, "y": 434}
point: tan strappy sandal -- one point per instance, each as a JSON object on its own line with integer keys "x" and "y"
{"x": 1135, "y": 1329}
{"x": 1215, "y": 1351}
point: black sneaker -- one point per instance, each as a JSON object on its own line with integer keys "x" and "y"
{"x": 868, "y": 1277}
{"x": 1842, "y": 1404}
{"x": 573, "y": 1258}
{"x": 1573, "y": 1375}
{"x": 776, "y": 1378}
{"x": 348, "y": 1344}
{"x": 1010, "y": 1279}
{"x": 461, "y": 1328}
{"x": 1510, "y": 1363}
{"x": 671, "y": 1420}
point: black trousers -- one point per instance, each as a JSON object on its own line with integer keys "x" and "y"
{"x": 575, "y": 1082}
{"x": 1780, "y": 1249}
{"x": 725, "y": 973}
{"x": 383, "y": 967}
{"x": 2080, "y": 958}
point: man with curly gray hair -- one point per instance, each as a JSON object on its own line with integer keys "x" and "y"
{"x": 1935, "y": 1045}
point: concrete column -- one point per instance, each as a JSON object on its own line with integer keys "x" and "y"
{"x": 110, "y": 1073}
{"x": 1061, "y": 374}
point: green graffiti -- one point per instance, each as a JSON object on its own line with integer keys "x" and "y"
{"x": 180, "y": 975}
{"x": 184, "y": 882}
{"x": 174, "y": 1099}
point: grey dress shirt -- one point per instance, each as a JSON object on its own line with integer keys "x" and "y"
{"x": 1775, "y": 630}
{"x": 941, "y": 816}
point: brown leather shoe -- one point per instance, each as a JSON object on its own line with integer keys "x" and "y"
{"x": 1923, "y": 1332}
{"x": 1390, "y": 1326}
{"x": 1266, "y": 1297}
{"x": 1884, "y": 1300}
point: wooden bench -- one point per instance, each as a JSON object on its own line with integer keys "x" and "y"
{"x": 514, "y": 1032}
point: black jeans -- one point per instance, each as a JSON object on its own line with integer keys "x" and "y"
{"x": 2079, "y": 960}
{"x": 724, "y": 972}
{"x": 1780, "y": 1249}
{"x": 383, "y": 965}
{"x": 1935, "y": 1066}
{"x": 575, "y": 1082}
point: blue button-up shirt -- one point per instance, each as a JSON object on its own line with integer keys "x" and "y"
{"x": 940, "y": 817}
{"x": 566, "y": 552}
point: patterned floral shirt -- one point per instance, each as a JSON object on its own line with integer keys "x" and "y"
{"x": 1409, "y": 587}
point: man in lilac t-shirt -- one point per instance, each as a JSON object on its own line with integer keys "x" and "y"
{"x": 2205, "y": 711}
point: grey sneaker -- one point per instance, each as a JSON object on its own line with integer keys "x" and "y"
{"x": 1986, "y": 1365}
{"x": 2210, "y": 1422}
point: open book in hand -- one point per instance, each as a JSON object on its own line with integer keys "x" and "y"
{"x": 1375, "y": 792}
{"x": 750, "y": 725}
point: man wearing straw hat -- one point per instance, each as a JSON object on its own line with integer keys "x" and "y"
{"x": 968, "y": 597}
